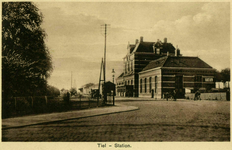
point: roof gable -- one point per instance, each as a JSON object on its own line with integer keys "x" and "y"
{"x": 169, "y": 61}
{"x": 190, "y": 62}
{"x": 145, "y": 47}
{"x": 156, "y": 63}
{"x": 149, "y": 47}
{"x": 121, "y": 75}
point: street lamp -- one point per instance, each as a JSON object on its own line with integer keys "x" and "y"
{"x": 114, "y": 84}
{"x": 113, "y": 74}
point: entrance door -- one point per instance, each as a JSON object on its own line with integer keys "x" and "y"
{"x": 152, "y": 93}
{"x": 179, "y": 86}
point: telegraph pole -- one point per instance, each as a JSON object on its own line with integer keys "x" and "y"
{"x": 104, "y": 66}
{"x": 104, "y": 69}
{"x": 71, "y": 79}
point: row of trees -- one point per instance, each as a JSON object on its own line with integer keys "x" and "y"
{"x": 223, "y": 75}
{"x": 26, "y": 61}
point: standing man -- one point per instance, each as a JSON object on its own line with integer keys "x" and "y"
{"x": 174, "y": 95}
{"x": 68, "y": 97}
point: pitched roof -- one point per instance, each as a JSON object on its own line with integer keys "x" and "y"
{"x": 121, "y": 75}
{"x": 190, "y": 62}
{"x": 148, "y": 47}
{"x": 145, "y": 47}
{"x": 132, "y": 47}
{"x": 156, "y": 63}
{"x": 170, "y": 61}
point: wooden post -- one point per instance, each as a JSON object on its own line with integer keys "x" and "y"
{"x": 15, "y": 101}
{"x": 46, "y": 100}
{"x": 113, "y": 97}
{"x": 32, "y": 103}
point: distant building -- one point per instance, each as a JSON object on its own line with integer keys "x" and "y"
{"x": 152, "y": 69}
{"x": 85, "y": 90}
{"x": 221, "y": 85}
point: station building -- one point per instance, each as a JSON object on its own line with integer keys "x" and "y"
{"x": 152, "y": 69}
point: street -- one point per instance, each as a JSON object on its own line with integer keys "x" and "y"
{"x": 181, "y": 120}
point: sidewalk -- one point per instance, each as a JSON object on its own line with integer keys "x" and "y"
{"x": 55, "y": 117}
{"x": 117, "y": 98}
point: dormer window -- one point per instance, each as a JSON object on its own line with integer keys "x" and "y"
{"x": 158, "y": 51}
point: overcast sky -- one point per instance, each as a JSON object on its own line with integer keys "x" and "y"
{"x": 76, "y": 42}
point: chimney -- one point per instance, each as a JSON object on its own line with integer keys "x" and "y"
{"x": 141, "y": 39}
{"x": 176, "y": 50}
{"x": 136, "y": 41}
{"x": 165, "y": 40}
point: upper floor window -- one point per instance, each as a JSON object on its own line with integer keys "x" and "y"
{"x": 128, "y": 66}
{"x": 131, "y": 65}
{"x": 198, "y": 78}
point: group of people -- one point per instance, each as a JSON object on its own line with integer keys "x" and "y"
{"x": 173, "y": 95}
{"x": 197, "y": 95}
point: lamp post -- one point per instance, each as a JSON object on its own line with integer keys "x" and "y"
{"x": 113, "y": 72}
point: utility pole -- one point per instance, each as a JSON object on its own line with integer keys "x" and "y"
{"x": 104, "y": 69}
{"x": 71, "y": 79}
{"x": 99, "y": 85}
{"x": 104, "y": 66}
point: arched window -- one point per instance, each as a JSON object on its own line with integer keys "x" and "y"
{"x": 131, "y": 82}
{"x": 125, "y": 68}
{"x": 132, "y": 66}
{"x": 145, "y": 85}
{"x": 141, "y": 85}
{"x": 155, "y": 84}
{"x": 150, "y": 85}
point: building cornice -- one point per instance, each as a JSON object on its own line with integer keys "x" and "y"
{"x": 188, "y": 68}
{"x": 149, "y": 70}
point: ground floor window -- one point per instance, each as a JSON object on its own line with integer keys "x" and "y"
{"x": 150, "y": 85}
{"x": 145, "y": 85}
{"x": 155, "y": 84}
{"x": 141, "y": 85}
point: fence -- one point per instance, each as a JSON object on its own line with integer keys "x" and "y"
{"x": 209, "y": 96}
{"x": 85, "y": 101}
{"x": 18, "y": 106}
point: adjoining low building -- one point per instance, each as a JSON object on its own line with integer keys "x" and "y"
{"x": 169, "y": 73}
{"x": 152, "y": 69}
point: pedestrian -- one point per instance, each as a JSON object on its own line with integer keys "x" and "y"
{"x": 174, "y": 95}
{"x": 167, "y": 94}
{"x": 197, "y": 95}
{"x": 68, "y": 97}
